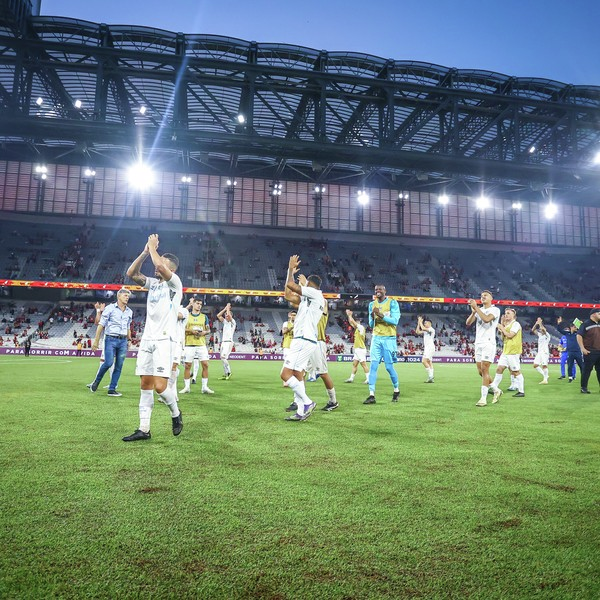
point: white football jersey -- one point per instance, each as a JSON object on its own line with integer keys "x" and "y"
{"x": 228, "y": 330}
{"x": 428, "y": 340}
{"x": 543, "y": 342}
{"x": 162, "y": 306}
{"x": 310, "y": 310}
{"x": 486, "y": 332}
{"x": 180, "y": 328}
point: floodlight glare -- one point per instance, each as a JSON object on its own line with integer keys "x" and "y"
{"x": 596, "y": 160}
{"x": 39, "y": 101}
{"x": 140, "y": 176}
{"x": 551, "y": 210}
{"x": 89, "y": 172}
{"x": 363, "y": 197}
{"x": 143, "y": 110}
{"x": 532, "y": 149}
{"x": 517, "y": 206}
{"x": 482, "y": 203}
{"x": 186, "y": 179}
{"x": 241, "y": 119}
{"x": 77, "y": 103}
{"x": 320, "y": 189}
{"x": 443, "y": 199}
{"x": 41, "y": 169}
{"x": 403, "y": 196}
{"x": 231, "y": 182}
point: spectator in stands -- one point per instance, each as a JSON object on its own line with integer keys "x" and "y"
{"x": 569, "y": 330}
{"x": 588, "y": 338}
{"x": 384, "y": 314}
{"x": 115, "y": 323}
{"x": 360, "y": 348}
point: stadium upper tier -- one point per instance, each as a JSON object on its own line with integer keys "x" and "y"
{"x": 216, "y": 104}
{"x": 209, "y": 259}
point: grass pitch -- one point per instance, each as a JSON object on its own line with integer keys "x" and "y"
{"x": 430, "y": 497}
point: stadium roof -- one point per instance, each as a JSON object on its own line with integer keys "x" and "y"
{"x": 73, "y": 91}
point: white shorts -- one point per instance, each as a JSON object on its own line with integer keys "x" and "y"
{"x": 541, "y": 358}
{"x": 428, "y": 353}
{"x": 512, "y": 361}
{"x": 285, "y": 352}
{"x": 485, "y": 352}
{"x": 176, "y": 352}
{"x": 360, "y": 354}
{"x": 226, "y": 349}
{"x": 192, "y": 352}
{"x": 317, "y": 362}
{"x": 299, "y": 353}
{"x": 154, "y": 358}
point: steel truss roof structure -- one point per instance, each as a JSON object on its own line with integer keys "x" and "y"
{"x": 309, "y": 115}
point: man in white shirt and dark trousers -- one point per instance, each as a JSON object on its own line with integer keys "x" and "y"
{"x": 226, "y": 318}
{"x": 154, "y": 360}
{"x": 310, "y": 309}
{"x": 487, "y": 317}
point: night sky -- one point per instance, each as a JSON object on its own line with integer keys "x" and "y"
{"x": 523, "y": 38}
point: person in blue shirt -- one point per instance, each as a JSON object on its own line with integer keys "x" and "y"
{"x": 384, "y": 314}
{"x": 562, "y": 346}
{"x": 115, "y": 322}
{"x": 574, "y": 355}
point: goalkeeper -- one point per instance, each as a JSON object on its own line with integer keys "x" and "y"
{"x": 384, "y": 314}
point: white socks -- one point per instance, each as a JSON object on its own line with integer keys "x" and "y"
{"x": 146, "y": 404}
{"x": 298, "y": 388}
{"x": 226, "y": 368}
{"x": 430, "y": 372}
{"x": 195, "y": 368}
{"x": 484, "y": 392}
{"x": 496, "y": 382}
{"x": 169, "y": 397}
{"x": 520, "y": 383}
{"x": 332, "y": 397}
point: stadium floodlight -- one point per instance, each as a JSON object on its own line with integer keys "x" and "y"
{"x": 551, "y": 210}
{"x": 77, "y": 103}
{"x": 241, "y": 119}
{"x": 143, "y": 110}
{"x": 363, "y": 197}
{"x": 320, "y": 189}
{"x": 596, "y": 160}
{"x": 516, "y": 206}
{"x": 39, "y": 101}
{"x": 277, "y": 188}
{"x": 443, "y": 199}
{"x": 231, "y": 182}
{"x": 140, "y": 176}
{"x": 89, "y": 173}
{"x": 186, "y": 179}
{"x": 482, "y": 203}
{"x": 532, "y": 149}
{"x": 403, "y": 196}
{"x": 41, "y": 172}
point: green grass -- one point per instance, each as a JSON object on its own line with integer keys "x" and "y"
{"x": 430, "y": 498}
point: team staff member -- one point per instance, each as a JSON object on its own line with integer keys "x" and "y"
{"x": 115, "y": 323}
{"x": 588, "y": 338}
